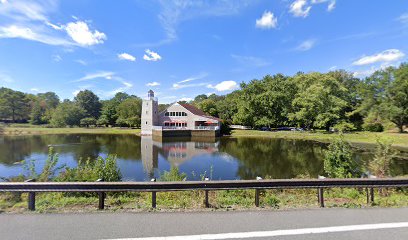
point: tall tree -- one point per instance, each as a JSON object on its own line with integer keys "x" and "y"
{"x": 67, "y": 114}
{"x": 129, "y": 112}
{"x": 89, "y": 102}
{"x": 13, "y": 104}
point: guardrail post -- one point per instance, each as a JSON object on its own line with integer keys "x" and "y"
{"x": 31, "y": 198}
{"x": 153, "y": 195}
{"x": 320, "y": 196}
{"x": 372, "y": 195}
{"x": 257, "y": 191}
{"x": 207, "y": 204}
{"x": 102, "y": 196}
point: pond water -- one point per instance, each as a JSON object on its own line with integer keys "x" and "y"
{"x": 141, "y": 158}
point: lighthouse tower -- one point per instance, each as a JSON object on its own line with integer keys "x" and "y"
{"x": 150, "y": 113}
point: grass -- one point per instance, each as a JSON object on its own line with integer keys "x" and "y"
{"x": 400, "y": 140}
{"x": 27, "y": 129}
{"x": 225, "y": 200}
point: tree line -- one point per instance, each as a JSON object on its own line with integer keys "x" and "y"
{"x": 313, "y": 100}
{"x": 86, "y": 109}
{"x": 316, "y": 100}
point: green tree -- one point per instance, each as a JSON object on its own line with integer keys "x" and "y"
{"x": 51, "y": 99}
{"x": 67, "y": 114}
{"x": 89, "y": 121}
{"x": 319, "y": 102}
{"x": 129, "y": 112}
{"x": 109, "y": 107}
{"x": 89, "y": 102}
{"x": 13, "y": 105}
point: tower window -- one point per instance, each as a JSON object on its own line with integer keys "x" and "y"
{"x": 146, "y": 122}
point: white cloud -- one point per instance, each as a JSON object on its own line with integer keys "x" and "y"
{"x": 331, "y": 6}
{"x": 389, "y": 55}
{"x": 180, "y": 86}
{"x": 126, "y": 56}
{"x": 251, "y": 60}
{"x": 268, "y": 20}
{"x": 57, "y": 58}
{"x": 5, "y": 78}
{"x": 403, "y": 18}
{"x": 35, "y": 90}
{"x": 79, "y": 32}
{"x": 300, "y": 8}
{"x": 3, "y": 1}
{"x": 28, "y": 20}
{"x": 152, "y": 84}
{"x": 82, "y": 62}
{"x": 224, "y": 86}
{"x": 91, "y": 76}
{"x": 187, "y": 99}
{"x": 306, "y": 45}
{"x": 151, "y": 56}
{"x": 189, "y": 79}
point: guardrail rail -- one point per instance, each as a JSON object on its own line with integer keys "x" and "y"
{"x": 31, "y": 187}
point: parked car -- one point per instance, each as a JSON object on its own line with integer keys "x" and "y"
{"x": 265, "y": 129}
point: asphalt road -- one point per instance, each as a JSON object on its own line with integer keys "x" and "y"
{"x": 348, "y": 224}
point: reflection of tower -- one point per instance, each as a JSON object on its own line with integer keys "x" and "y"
{"x": 149, "y": 155}
{"x": 150, "y": 115}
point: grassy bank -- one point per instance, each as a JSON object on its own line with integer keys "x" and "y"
{"x": 36, "y": 130}
{"x": 194, "y": 201}
{"x": 399, "y": 139}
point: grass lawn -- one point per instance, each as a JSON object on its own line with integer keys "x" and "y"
{"x": 400, "y": 140}
{"x": 26, "y": 129}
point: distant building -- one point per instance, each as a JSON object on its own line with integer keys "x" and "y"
{"x": 178, "y": 119}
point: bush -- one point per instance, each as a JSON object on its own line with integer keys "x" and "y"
{"x": 102, "y": 121}
{"x": 373, "y": 127}
{"x": 49, "y": 170}
{"x": 225, "y": 128}
{"x": 105, "y": 169}
{"x": 380, "y": 166}
{"x": 344, "y": 126}
{"x": 88, "y": 121}
{"x": 172, "y": 175}
{"x": 338, "y": 160}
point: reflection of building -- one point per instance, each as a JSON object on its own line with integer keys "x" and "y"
{"x": 177, "y": 120}
{"x": 175, "y": 152}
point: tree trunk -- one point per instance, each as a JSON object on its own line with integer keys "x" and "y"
{"x": 401, "y": 128}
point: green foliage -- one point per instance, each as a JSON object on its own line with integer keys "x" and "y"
{"x": 89, "y": 121}
{"x": 129, "y": 112}
{"x": 380, "y": 166}
{"x": 172, "y": 175}
{"x": 344, "y": 126}
{"x": 90, "y": 171}
{"x": 338, "y": 160}
{"x": 89, "y": 102}
{"x": 48, "y": 172}
{"x": 102, "y": 121}
{"x": 67, "y": 114}
{"x": 14, "y": 105}
{"x": 225, "y": 128}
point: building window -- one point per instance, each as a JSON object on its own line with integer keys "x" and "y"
{"x": 184, "y": 114}
{"x": 166, "y": 114}
{"x": 146, "y": 122}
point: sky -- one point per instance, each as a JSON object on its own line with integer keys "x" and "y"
{"x": 183, "y": 48}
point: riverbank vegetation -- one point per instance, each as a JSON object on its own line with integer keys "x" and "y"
{"x": 225, "y": 200}
{"x": 329, "y": 101}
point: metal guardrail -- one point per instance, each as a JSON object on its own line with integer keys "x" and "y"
{"x": 102, "y": 187}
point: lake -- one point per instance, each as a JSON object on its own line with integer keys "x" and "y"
{"x": 141, "y": 158}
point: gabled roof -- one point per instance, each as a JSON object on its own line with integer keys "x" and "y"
{"x": 197, "y": 111}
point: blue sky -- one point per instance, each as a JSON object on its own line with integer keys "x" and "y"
{"x": 184, "y": 48}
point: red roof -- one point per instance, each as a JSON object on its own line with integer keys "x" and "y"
{"x": 197, "y": 111}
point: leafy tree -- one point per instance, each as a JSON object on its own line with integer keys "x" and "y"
{"x": 319, "y": 102}
{"x": 380, "y": 166}
{"x": 395, "y": 106}
{"x": 89, "y": 121}
{"x": 13, "y": 104}
{"x": 129, "y": 112}
{"x": 67, "y": 114}
{"x": 89, "y": 102}
{"x": 109, "y": 107}
{"x": 51, "y": 99}
{"x": 37, "y": 112}
{"x": 102, "y": 121}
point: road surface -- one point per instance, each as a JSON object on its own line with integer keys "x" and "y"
{"x": 337, "y": 223}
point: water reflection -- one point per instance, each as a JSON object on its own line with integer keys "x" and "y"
{"x": 141, "y": 158}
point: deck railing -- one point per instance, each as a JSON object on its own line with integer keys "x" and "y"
{"x": 101, "y": 188}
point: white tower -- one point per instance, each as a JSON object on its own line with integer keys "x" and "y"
{"x": 150, "y": 114}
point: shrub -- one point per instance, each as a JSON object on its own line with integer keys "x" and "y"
{"x": 225, "y": 128}
{"x": 49, "y": 170}
{"x": 102, "y": 121}
{"x": 88, "y": 121}
{"x": 380, "y": 166}
{"x": 172, "y": 175}
{"x": 344, "y": 126}
{"x": 338, "y": 160}
{"x": 373, "y": 127}
{"x": 105, "y": 169}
